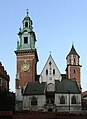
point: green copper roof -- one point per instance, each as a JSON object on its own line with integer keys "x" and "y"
{"x": 27, "y": 18}
{"x": 26, "y": 34}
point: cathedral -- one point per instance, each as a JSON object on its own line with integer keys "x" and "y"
{"x": 50, "y": 90}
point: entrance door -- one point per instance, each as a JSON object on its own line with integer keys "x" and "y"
{"x": 50, "y": 110}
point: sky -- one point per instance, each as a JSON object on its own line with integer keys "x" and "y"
{"x": 57, "y": 24}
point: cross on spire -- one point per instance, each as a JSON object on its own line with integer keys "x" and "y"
{"x": 73, "y": 43}
{"x": 27, "y": 11}
{"x": 50, "y": 52}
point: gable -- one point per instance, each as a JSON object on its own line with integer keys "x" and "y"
{"x": 50, "y": 72}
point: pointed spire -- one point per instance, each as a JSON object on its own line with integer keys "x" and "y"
{"x": 72, "y": 51}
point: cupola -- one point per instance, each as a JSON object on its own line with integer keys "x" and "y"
{"x": 26, "y": 34}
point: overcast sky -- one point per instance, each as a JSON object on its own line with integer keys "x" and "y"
{"x": 57, "y": 23}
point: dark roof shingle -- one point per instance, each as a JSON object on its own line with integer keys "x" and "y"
{"x": 34, "y": 88}
{"x": 63, "y": 86}
{"x": 66, "y": 86}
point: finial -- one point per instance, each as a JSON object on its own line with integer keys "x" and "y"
{"x": 50, "y": 52}
{"x": 72, "y": 43}
{"x": 27, "y": 11}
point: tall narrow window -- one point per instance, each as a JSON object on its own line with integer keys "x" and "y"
{"x": 46, "y": 71}
{"x": 25, "y": 40}
{"x": 22, "y": 90}
{"x": 74, "y": 60}
{"x": 53, "y": 71}
{"x": 33, "y": 101}
{"x": 73, "y": 100}
{"x": 69, "y": 61}
{"x": 26, "y": 24}
{"x": 50, "y": 63}
{"x": 62, "y": 100}
{"x": 74, "y": 71}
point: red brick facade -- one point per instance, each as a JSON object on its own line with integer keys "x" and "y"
{"x": 7, "y": 98}
{"x": 73, "y": 72}
{"x": 4, "y": 78}
{"x": 28, "y": 75}
{"x": 42, "y": 115}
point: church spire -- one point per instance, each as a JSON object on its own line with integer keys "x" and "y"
{"x": 73, "y": 66}
{"x": 72, "y": 51}
{"x": 26, "y": 34}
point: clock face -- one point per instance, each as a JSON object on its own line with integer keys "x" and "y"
{"x": 25, "y": 66}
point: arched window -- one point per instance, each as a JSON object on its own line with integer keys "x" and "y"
{"x": 25, "y": 40}
{"x": 46, "y": 71}
{"x": 34, "y": 101}
{"x": 50, "y": 87}
{"x": 73, "y": 100}
{"x": 26, "y": 24}
{"x": 53, "y": 71}
{"x": 62, "y": 100}
{"x": 74, "y": 60}
{"x": 69, "y": 61}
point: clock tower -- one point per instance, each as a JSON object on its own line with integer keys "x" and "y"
{"x": 26, "y": 55}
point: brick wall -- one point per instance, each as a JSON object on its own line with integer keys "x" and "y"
{"x": 42, "y": 115}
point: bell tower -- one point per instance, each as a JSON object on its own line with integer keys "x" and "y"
{"x": 73, "y": 66}
{"x": 26, "y": 54}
